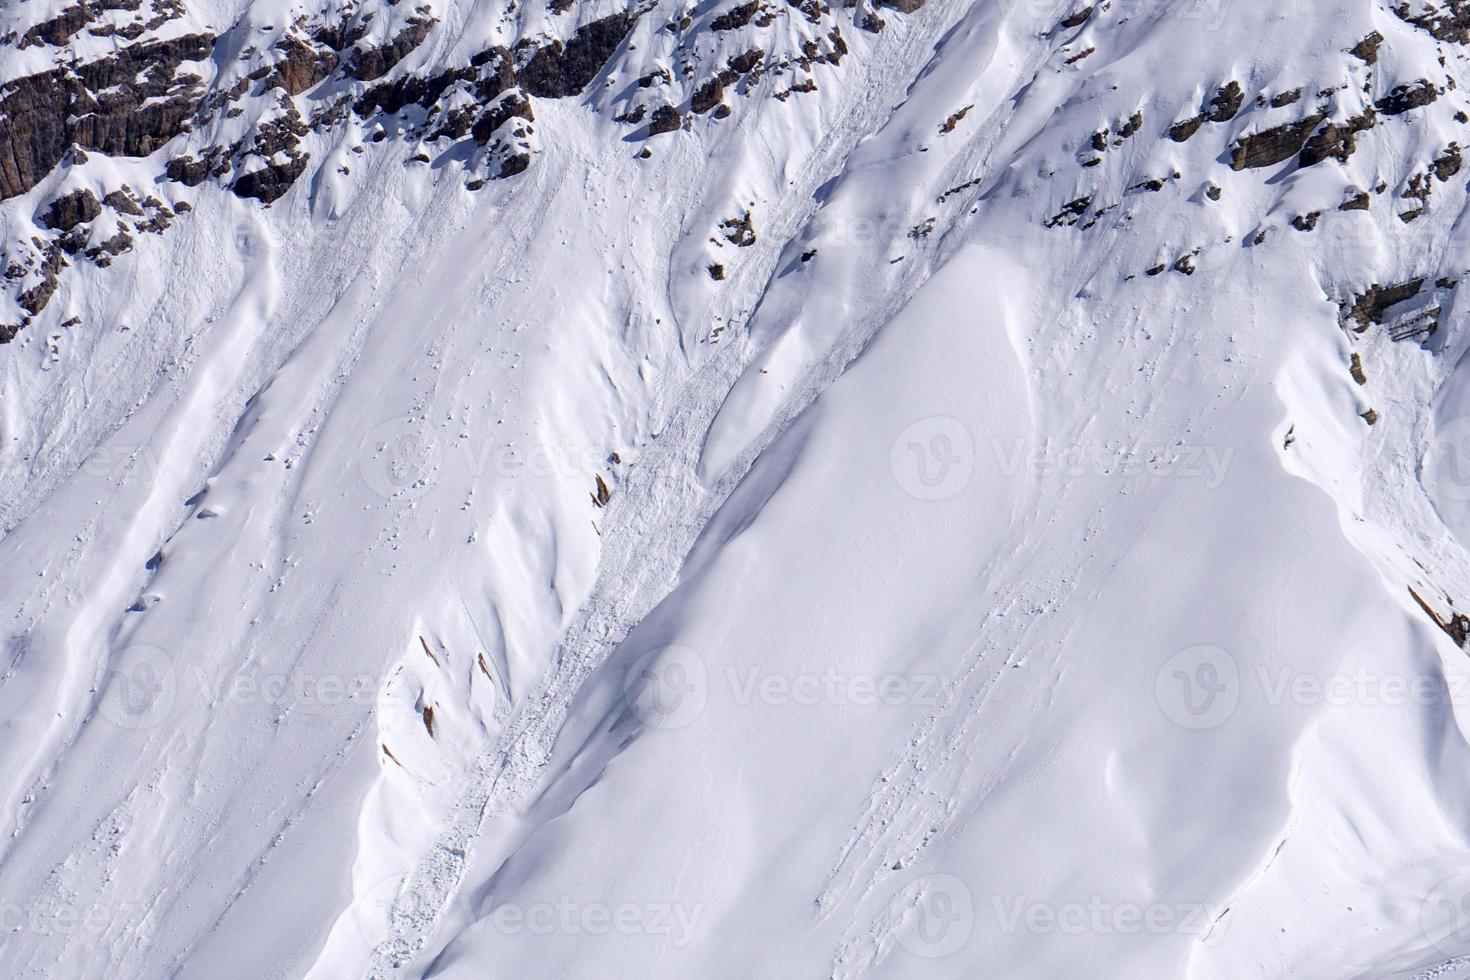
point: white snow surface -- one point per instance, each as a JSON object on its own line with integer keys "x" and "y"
{"x": 968, "y": 602}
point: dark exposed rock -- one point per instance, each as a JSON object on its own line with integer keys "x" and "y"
{"x": 393, "y": 97}
{"x": 1077, "y": 19}
{"x": 1358, "y": 202}
{"x": 341, "y": 35}
{"x": 1406, "y": 97}
{"x": 666, "y": 119}
{"x": 70, "y": 210}
{"x": 739, "y": 231}
{"x": 744, "y": 64}
{"x": 1449, "y": 21}
{"x": 903, "y": 6}
{"x": 129, "y": 104}
{"x": 735, "y": 18}
{"x": 116, "y": 245}
{"x": 716, "y": 271}
{"x": 187, "y": 170}
{"x": 707, "y": 96}
{"x": 1336, "y": 140}
{"x": 302, "y": 67}
{"x": 954, "y": 118}
{"x": 556, "y": 71}
{"x": 1283, "y": 99}
{"x": 122, "y": 202}
{"x": 1185, "y": 128}
{"x": 1275, "y": 145}
{"x": 1226, "y": 103}
{"x": 34, "y": 300}
{"x": 59, "y": 29}
{"x": 514, "y": 164}
{"x": 271, "y": 181}
{"x": 1071, "y": 212}
{"x": 496, "y": 73}
{"x": 1306, "y": 222}
{"x": 1367, "y": 49}
{"x": 73, "y": 241}
{"x": 371, "y": 63}
{"x": 116, "y": 120}
{"x": 1370, "y": 307}
{"x": 1223, "y": 107}
{"x": 511, "y": 105}
{"x": 1447, "y": 164}
{"x": 812, "y": 10}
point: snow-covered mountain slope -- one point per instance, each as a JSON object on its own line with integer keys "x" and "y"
{"x": 752, "y": 490}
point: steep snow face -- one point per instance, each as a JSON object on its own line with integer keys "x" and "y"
{"x": 734, "y": 490}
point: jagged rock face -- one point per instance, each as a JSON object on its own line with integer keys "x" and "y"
{"x": 127, "y": 105}
{"x": 70, "y": 210}
{"x": 247, "y": 106}
{"x": 556, "y": 70}
{"x": 1273, "y": 146}
{"x": 1447, "y": 20}
{"x": 293, "y": 86}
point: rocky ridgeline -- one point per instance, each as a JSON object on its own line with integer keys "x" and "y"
{"x": 1262, "y": 132}
{"x": 233, "y": 111}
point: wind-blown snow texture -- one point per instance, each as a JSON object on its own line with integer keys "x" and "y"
{"x": 757, "y": 490}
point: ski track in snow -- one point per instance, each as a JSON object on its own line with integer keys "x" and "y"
{"x": 653, "y": 525}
